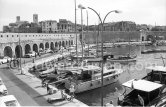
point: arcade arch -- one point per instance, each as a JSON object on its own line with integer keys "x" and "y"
{"x": 41, "y": 46}
{"x": 18, "y": 51}
{"x": 52, "y": 46}
{"x": 35, "y": 48}
{"x": 27, "y": 48}
{"x": 8, "y": 51}
{"x": 47, "y": 45}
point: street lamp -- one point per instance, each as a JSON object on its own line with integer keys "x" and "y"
{"x": 102, "y": 22}
{"x": 81, "y": 7}
{"x": 20, "y": 67}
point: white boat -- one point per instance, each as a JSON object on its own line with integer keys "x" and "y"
{"x": 89, "y": 77}
{"x": 143, "y": 93}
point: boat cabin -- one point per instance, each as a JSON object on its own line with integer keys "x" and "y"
{"x": 142, "y": 94}
{"x": 92, "y": 61}
{"x": 156, "y": 74}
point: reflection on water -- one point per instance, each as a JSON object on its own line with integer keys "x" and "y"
{"x": 137, "y": 70}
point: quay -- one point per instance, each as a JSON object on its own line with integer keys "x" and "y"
{"x": 34, "y": 84}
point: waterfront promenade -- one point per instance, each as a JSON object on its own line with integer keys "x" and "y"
{"x": 29, "y": 91}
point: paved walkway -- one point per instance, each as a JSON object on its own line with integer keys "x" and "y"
{"x": 33, "y": 86}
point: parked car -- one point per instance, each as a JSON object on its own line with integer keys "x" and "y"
{"x": 30, "y": 54}
{"x": 48, "y": 51}
{"x": 9, "y": 100}
{"x": 3, "y": 89}
{"x": 5, "y": 59}
{"x": 41, "y": 52}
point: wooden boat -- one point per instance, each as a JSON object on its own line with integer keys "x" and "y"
{"x": 156, "y": 74}
{"x": 153, "y": 51}
{"x": 143, "y": 93}
{"x": 89, "y": 77}
{"x": 121, "y": 59}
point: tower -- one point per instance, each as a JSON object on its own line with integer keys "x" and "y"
{"x": 17, "y": 18}
{"x": 35, "y": 18}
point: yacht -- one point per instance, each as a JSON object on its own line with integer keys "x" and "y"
{"x": 143, "y": 93}
{"x": 89, "y": 77}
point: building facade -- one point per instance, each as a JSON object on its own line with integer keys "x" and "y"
{"x": 120, "y": 26}
{"x": 19, "y": 44}
{"x": 65, "y": 26}
{"x": 49, "y": 26}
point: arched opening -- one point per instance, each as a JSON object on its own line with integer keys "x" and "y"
{"x": 18, "y": 51}
{"x": 8, "y": 51}
{"x": 66, "y": 43}
{"x": 52, "y": 46}
{"x": 63, "y": 44}
{"x": 41, "y": 46}
{"x": 47, "y": 45}
{"x": 35, "y": 48}
{"x": 56, "y": 45}
{"x": 142, "y": 38}
{"x": 71, "y": 42}
{"x": 60, "y": 44}
{"x": 27, "y": 48}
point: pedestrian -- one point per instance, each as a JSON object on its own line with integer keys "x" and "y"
{"x": 72, "y": 90}
{"x": 110, "y": 104}
{"x": 48, "y": 89}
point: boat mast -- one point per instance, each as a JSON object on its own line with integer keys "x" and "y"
{"x": 87, "y": 31}
{"x": 76, "y": 31}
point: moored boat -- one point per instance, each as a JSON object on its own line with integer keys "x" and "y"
{"x": 143, "y": 93}
{"x": 121, "y": 59}
{"x": 89, "y": 77}
{"x": 153, "y": 51}
{"x": 156, "y": 74}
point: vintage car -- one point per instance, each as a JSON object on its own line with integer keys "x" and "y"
{"x": 5, "y": 59}
{"x": 3, "y": 89}
{"x": 9, "y": 100}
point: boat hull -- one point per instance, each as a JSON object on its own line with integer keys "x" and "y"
{"x": 121, "y": 61}
{"x": 152, "y": 51}
{"x": 93, "y": 84}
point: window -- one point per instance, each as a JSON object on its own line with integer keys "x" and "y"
{"x": 7, "y": 35}
{"x": 17, "y": 35}
{"x": 12, "y": 35}
{"x": 1, "y": 35}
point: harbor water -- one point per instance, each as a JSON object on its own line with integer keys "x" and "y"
{"x": 131, "y": 70}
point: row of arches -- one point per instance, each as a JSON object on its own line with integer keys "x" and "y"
{"x": 19, "y": 51}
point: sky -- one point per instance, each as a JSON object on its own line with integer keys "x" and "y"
{"x": 151, "y": 12}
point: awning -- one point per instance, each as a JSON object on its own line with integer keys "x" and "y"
{"x": 142, "y": 85}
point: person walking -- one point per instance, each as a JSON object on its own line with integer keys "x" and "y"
{"x": 72, "y": 89}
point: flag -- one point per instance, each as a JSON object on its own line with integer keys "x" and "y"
{"x": 141, "y": 100}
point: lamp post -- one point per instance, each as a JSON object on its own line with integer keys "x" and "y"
{"x": 20, "y": 67}
{"x": 102, "y": 63}
{"x": 81, "y": 7}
